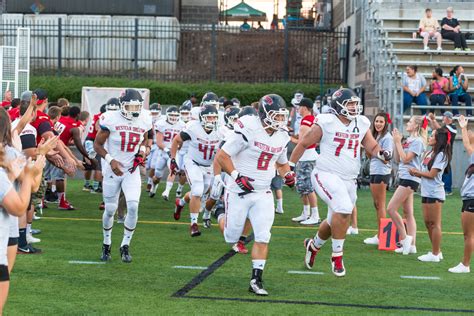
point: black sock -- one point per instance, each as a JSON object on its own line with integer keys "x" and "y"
{"x": 22, "y": 239}
{"x": 243, "y": 238}
{"x": 257, "y": 274}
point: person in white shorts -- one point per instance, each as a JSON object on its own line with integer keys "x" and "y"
{"x": 122, "y": 141}
{"x": 155, "y": 110}
{"x": 339, "y": 136}
{"x": 250, "y": 156}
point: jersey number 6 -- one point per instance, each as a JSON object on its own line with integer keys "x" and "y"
{"x": 264, "y": 161}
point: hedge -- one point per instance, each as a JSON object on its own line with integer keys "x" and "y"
{"x": 170, "y": 92}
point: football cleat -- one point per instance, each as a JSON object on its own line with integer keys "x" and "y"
{"x": 311, "y": 252}
{"x": 206, "y": 223}
{"x": 28, "y": 250}
{"x": 35, "y": 231}
{"x": 239, "y": 247}
{"x": 86, "y": 188}
{"x": 165, "y": 196}
{"x": 120, "y": 219}
{"x": 311, "y": 221}
{"x": 153, "y": 189}
{"x": 194, "y": 230}
{"x": 300, "y": 218}
{"x": 105, "y": 253}
{"x": 256, "y": 286}
{"x": 178, "y": 193}
{"x": 337, "y": 265}
{"x": 148, "y": 187}
{"x": 124, "y": 253}
{"x": 178, "y": 209}
{"x": 65, "y": 205}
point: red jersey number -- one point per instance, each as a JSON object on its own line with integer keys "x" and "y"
{"x": 263, "y": 161}
{"x": 130, "y": 144}
{"x": 207, "y": 151}
{"x": 352, "y": 144}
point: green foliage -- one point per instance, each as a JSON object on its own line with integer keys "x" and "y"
{"x": 170, "y": 92}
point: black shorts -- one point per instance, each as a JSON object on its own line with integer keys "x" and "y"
{"x": 379, "y": 178}
{"x": 4, "y": 274}
{"x": 409, "y": 184}
{"x": 468, "y": 206}
{"x": 12, "y": 241}
{"x": 428, "y": 200}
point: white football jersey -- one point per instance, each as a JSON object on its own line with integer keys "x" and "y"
{"x": 340, "y": 145}
{"x": 224, "y": 132}
{"x": 254, "y": 152}
{"x": 169, "y": 131}
{"x": 125, "y": 135}
{"x": 202, "y": 147}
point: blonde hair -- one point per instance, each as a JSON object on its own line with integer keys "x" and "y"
{"x": 420, "y": 131}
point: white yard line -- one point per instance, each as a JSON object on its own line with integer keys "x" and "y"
{"x": 190, "y": 267}
{"x": 415, "y": 277}
{"x": 305, "y": 272}
{"x": 85, "y": 262}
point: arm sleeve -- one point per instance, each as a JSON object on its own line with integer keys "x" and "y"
{"x": 234, "y": 144}
{"x": 184, "y": 136}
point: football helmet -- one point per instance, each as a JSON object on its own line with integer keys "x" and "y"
{"x": 235, "y": 102}
{"x": 248, "y": 110}
{"x": 210, "y": 98}
{"x": 103, "y": 108}
{"x": 221, "y": 101}
{"x": 230, "y": 116}
{"x": 172, "y": 115}
{"x": 131, "y": 103}
{"x": 185, "y": 111}
{"x": 272, "y": 112}
{"x": 346, "y": 103}
{"x": 209, "y": 117}
{"x": 297, "y": 98}
{"x": 113, "y": 104}
{"x": 155, "y": 109}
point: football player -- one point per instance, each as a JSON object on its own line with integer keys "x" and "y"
{"x": 155, "y": 110}
{"x": 122, "y": 142}
{"x": 250, "y": 156}
{"x": 166, "y": 131}
{"x": 203, "y": 141}
{"x": 339, "y": 136}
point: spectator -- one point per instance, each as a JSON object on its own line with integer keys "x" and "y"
{"x": 414, "y": 86}
{"x": 245, "y": 26}
{"x": 459, "y": 83}
{"x": 429, "y": 29}
{"x": 7, "y": 99}
{"x": 451, "y": 30}
{"x": 260, "y": 26}
{"x": 63, "y": 102}
{"x": 14, "y": 104}
{"x": 439, "y": 87}
{"x": 449, "y": 125}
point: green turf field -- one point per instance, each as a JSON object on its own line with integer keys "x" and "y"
{"x": 48, "y": 284}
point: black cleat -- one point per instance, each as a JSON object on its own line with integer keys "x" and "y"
{"x": 126, "y": 257}
{"x": 207, "y": 223}
{"x": 28, "y": 250}
{"x": 105, "y": 253}
{"x": 256, "y": 286}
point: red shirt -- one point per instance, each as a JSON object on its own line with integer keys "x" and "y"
{"x": 42, "y": 124}
{"x": 14, "y": 113}
{"x": 308, "y": 120}
{"x": 92, "y": 131}
{"x": 63, "y": 128}
{"x": 6, "y": 103}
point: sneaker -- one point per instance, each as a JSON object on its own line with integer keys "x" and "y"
{"x": 467, "y": 49}
{"x": 460, "y": 268}
{"x": 279, "y": 211}
{"x": 206, "y": 223}
{"x": 337, "y": 265}
{"x": 439, "y": 49}
{"x": 86, "y": 188}
{"x": 96, "y": 191}
{"x": 458, "y": 49}
{"x": 429, "y": 257}
{"x": 35, "y": 231}
{"x": 300, "y": 218}
{"x": 105, "y": 253}
{"x": 406, "y": 244}
{"x": 165, "y": 196}
{"x": 411, "y": 251}
{"x": 352, "y": 231}
{"x": 372, "y": 240}
{"x": 178, "y": 209}
{"x": 256, "y": 286}
{"x": 194, "y": 230}
{"x": 28, "y": 250}
{"x": 239, "y": 247}
{"x": 311, "y": 252}
{"x": 102, "y": 206}
{"x": 51, "y": 198}
{"x": 120, "y": 219}
{"x": 426, "y": 48}
{"x": 36, "y": 218}
{"x": 125, "y": 254}
{"x": 65, "y": 205}
{"x": 32, "y": 240}
{"x": 311, "y": 221}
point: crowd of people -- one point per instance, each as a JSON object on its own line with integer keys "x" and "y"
{"x": 232, "y": 157}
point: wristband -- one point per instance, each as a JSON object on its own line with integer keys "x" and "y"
{"x": 143, "y": 148}
{"x": 291, "y": 164}
{"x": 108, "y": 158}
{"x": 234, "y": 174}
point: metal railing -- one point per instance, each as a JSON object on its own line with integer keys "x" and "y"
{"x": 382, "y": 63}
{"x": 166, "y": 50}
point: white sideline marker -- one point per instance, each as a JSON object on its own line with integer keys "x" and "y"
{"x": 419, "y": 277}
{"x": 190, "y": 267}
{"x": 305, "y": 272}
{"x": 85, "y": 262}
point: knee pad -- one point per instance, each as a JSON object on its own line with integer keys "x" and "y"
{"x": 159, "y": 173}
{"x": 197, "y": 188}
{"x": 263, "y": 237}
{"x": 132, "y": 215}
{"x": 111, "y": 205}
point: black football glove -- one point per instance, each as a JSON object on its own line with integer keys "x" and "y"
{"x": 173, "y": 166}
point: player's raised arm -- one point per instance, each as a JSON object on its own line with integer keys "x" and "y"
{"x": 373, "y": 148}
{"x": 313, "y": 136}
